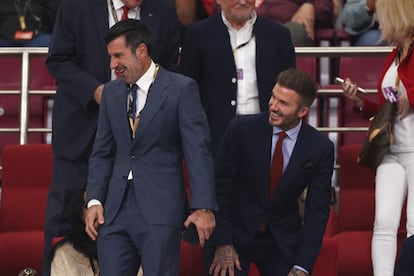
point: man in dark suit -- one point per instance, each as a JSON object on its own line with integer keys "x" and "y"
{"x": 136, "y": 192}
{"x": 253, "y": 223}
{"x": 79, "y": 61}
{"x": 234, "y": 56}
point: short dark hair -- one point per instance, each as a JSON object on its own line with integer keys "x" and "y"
{"x": 300, "y": 82}
{"x": 134, "y": 31}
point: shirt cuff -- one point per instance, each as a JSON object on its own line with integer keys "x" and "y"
{"x": 93, "y": 202}
{"x": 301, "y": 268}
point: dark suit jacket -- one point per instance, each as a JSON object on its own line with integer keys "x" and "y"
{"x": 172, "y": 124}
{"x": 208, "y": 58}
{"x": 79, "y": 61}
{"x": 242, "y": 187}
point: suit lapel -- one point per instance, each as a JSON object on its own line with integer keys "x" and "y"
{"x": 264, "y": 148}
{"x": 260, "y": 47}
{"x": 299, "y": 153}
{"x": 120, "y": 103}
{"x": 148, "y": 15}
{"x": 155, "y": 99}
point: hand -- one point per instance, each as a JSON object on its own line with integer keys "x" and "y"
{"x": 351, "y": 92}
{"x": 224, "y": 260}
{"x": 205, "y": 223}
{"x": 97, "y": 95}
{"x": 306, "y": 16}
{"x": 94, "y": 218}
{"x": 297, "y": 272}
{"x": 403, "y": 105}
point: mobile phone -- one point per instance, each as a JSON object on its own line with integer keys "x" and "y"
{"x": 191, "y": 235}
{"x": 339, "y": 80}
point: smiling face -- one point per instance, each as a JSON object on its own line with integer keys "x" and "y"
{"x": 285, "y": 108}
{"x": 130, "y": 64}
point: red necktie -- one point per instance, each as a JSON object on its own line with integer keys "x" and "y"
{"x": 276, "y": 169}
{"x": 125, "y": 14}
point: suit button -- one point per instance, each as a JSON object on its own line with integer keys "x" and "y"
{"x": 233, "y": 80}
{"x": 133, "y": 156}
{"x": 233, "y": 103}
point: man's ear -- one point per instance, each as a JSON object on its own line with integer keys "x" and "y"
{"x": 141, "y": 49}
{"x": 304, "y": 110}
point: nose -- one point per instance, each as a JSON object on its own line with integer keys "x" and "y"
{"x": 273, "y": 104}
{"x": 113, "y": 63}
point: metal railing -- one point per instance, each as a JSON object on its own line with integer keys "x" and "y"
{"x": 25, "y": 92}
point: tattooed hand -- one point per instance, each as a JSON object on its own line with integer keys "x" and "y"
{"x": 225, "y": 259}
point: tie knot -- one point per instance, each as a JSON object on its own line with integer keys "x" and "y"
{"x": 282, "y": 135}
{"x": 125, "y": 10}
{"x": 134, "y": 88}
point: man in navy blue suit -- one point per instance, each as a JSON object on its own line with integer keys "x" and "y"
{"x": 136, "y": 192}
{"x": 78, "y": 59}
{"x": 255, "y": 225}
{"x": 235, "y": 57}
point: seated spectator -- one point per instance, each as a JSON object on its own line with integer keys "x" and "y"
{"x": 360, "y": 21}
{"x": 405, "y": 263}
{"x": 301, "y": 17}
{"x": 27, "y": 23}
{"x": 76, "y": 253}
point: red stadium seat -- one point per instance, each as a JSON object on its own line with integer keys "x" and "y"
{"x": 355, "y": 215}
{"x": 27, "y": 172}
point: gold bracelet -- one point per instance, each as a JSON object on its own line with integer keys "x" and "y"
{"x": 206, "y": 210}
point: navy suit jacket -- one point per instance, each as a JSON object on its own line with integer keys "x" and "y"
{"x": 242, "y": 188}
{"x": 172, "y": 125}
{"x": 79, "y": 60}
{"x": 207, "y": 57}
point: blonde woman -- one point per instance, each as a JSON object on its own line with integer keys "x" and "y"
{"x": 395, "y": 174}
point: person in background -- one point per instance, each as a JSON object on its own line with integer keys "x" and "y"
{"x": 76, "y": 253}
{"x": 79, "y": 61}
{"x": 360, "y": 21}
{"x": 258, "y": 219}
{"x": 149, "y": 120}
{"x": 27, "y": 23}
{"x": 234, "y": 56}
{"x": 302, "y": 17}
{"x": 395, "y": 174}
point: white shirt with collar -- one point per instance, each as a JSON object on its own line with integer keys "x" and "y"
{"x": 245, "y": 59}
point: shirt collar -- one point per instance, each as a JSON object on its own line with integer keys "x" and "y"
{"x": 118, "y": 4}
{"x": 292, "y": 133}
{"x": 145, "y": 81}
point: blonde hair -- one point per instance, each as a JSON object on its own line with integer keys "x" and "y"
{"x": 396, "y": 18}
